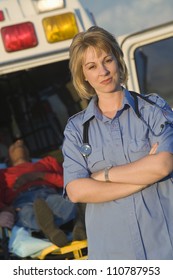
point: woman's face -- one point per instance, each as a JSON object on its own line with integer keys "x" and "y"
{"x": 101, "y": 71}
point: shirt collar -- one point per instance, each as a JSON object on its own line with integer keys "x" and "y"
{"x": 128, "y": 99}
{"x": 92, "y": 109}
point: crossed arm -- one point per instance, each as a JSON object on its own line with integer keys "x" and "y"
{"x": 147, "y": 170}
{"x": 125, "y": 179}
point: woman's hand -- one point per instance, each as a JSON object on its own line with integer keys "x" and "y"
{"x": 100, "y": 175}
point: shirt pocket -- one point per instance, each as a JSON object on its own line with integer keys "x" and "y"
{"x": 138, "y": 149}
{"x": 96, "y": 160}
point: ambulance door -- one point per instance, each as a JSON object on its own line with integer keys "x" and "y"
{"x": 149, "y": 58}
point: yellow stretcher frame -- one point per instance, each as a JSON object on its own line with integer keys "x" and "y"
{"x": 73, "y": 251}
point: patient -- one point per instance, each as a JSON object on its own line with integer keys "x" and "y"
{"x": 31, "y": 196}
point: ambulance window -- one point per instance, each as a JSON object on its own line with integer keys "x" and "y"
{"x": 154, "y": 64}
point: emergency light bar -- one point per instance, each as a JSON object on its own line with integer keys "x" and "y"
{"x": 56, "y": 28}
{"x": 48, "y": 5}
{"x": 38, "y": 32}
{"x": 1, "y": 16}
{"x": 19, "y": 37}
{"x": 23, "y": 36}
{"x": 60, "y": 27}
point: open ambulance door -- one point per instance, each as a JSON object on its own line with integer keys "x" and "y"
{"x": 149, "y": 58}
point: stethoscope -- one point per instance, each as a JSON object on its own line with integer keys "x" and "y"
{"x": 162, "y": 126}
{"x": 86, "y": 148}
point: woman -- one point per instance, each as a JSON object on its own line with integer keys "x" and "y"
{"x": 127, "y": 188}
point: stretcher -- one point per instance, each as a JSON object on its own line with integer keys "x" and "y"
{"x": 75, "y": 250}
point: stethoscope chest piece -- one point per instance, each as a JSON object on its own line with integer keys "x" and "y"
{"x": 85, "y": 149}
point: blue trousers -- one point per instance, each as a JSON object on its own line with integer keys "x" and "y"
{"x": 63, "y": 210}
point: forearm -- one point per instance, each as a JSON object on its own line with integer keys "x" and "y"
{"x": 91, "y": 191}
{"x": 147, "y": 170}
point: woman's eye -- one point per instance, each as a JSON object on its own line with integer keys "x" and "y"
{"x": 109, "y": 60}
{"x": 91, "y": 67}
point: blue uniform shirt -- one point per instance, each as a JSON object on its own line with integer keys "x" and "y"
{"x": 139, "y": 226}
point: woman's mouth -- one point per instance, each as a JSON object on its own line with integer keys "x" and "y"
{"x": 106, "y": 81}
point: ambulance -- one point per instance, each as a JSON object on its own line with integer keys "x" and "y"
{"x": 36, "y": 93}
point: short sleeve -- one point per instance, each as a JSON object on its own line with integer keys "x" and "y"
{"x": 160, "y": 120}
{"x": 74, "y": 164}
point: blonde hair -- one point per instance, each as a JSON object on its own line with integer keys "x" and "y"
{"x": 98, "y": 38}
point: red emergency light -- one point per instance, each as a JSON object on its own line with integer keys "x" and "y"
{"x": 19, "y": 37}
{"x": 2, "y": 16}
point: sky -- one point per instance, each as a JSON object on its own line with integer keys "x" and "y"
{"x": 121, "y": 17}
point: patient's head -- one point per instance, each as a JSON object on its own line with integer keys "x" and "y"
{"x": 18, "y": 153}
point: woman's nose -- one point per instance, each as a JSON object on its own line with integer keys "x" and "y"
{"x": 103, "y": 70}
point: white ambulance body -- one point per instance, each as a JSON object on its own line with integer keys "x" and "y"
{"x": 36, "y": 93}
